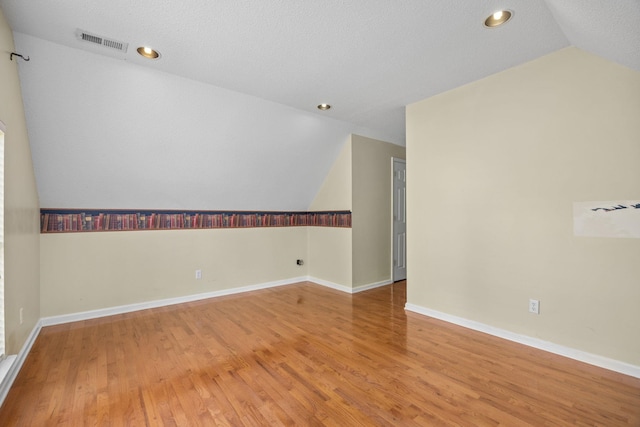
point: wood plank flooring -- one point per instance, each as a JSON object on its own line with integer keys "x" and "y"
{"x": 304, "y": 355}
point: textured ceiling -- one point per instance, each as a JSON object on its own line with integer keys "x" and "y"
{"x": 610, "y": 29}
{"x": 368, "y": 58}
{"x": 235, "y": 91}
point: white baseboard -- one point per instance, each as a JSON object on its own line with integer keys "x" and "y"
{"x": 110, "y": 311}
{"x": 348, "y": 289}
{"x": 18, "y": 361}
{"x": 582, "y": 356}
{"x": 371, "y": 286}
{"x": 5, "y": 365}
{"x": 328, "y": 284}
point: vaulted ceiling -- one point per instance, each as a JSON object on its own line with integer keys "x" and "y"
{"x": 274, "y": 61}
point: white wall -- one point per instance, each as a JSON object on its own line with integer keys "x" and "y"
{"x": 106, "y": 133}
{"x": 493, "y": 168}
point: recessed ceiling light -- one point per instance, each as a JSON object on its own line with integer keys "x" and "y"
{"x": 324, "y": 107}
{"x": 147, "y": 52}
{"x": 498, "y": 18}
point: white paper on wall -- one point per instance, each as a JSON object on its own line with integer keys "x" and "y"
{"x": 620, "y": 218}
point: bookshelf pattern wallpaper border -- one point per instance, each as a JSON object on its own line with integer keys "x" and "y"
{"x": 83, "y": 220}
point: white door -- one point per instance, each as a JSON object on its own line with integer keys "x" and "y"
{"x": 399, "y": 220}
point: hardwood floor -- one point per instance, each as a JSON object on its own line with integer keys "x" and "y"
{"x": 304, "y": 355}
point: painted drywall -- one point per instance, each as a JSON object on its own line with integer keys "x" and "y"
{"x": 371, "y": 219}
{"x": 330, "y": 249}
{"x": 336, "y": 190}
{"x": 359, "y": 180}
{"x": 21, "y": 211}
{"x": 330, "y": 255}
{"x": 107, "y": 133}
{"x": 91, "y": 271}
{"x": 493, "y": 169}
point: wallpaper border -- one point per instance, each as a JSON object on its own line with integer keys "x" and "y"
{"x": 92, "y": 220}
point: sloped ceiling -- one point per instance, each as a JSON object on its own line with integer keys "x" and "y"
{"x": 610, "y": 29}
{"x": 227, "y": 118}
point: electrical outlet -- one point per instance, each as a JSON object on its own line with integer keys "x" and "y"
{"x": 534, "y": 306}
{"x": 198, "y": 274}
{"x": 21, "y": 317}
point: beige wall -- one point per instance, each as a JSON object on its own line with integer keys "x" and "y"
{"x": 493, "y": 168}
{"x": 335, "y": 192}
{"x": 360, "y": 181}
{"x": 330, "y": 255}
{"x": 21, "y": 224}
{"x": 89, "y": 271}
{"x": 372, "y": 190}
{"x": 330, "y": 248}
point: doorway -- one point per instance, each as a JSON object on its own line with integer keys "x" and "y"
{"x": 399, "y": 218}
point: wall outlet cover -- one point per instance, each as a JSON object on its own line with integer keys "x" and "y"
{"x": 534, "y": 306}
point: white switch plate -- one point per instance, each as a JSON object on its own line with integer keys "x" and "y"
{"x": 198, "y": 274}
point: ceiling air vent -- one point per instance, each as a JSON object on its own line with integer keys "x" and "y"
{"x": 102, "y": 41}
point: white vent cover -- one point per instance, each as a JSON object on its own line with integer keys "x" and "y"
{"x": 102, "y": 41}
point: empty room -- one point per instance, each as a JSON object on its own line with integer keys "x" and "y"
{"x": 365, "y": 213}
